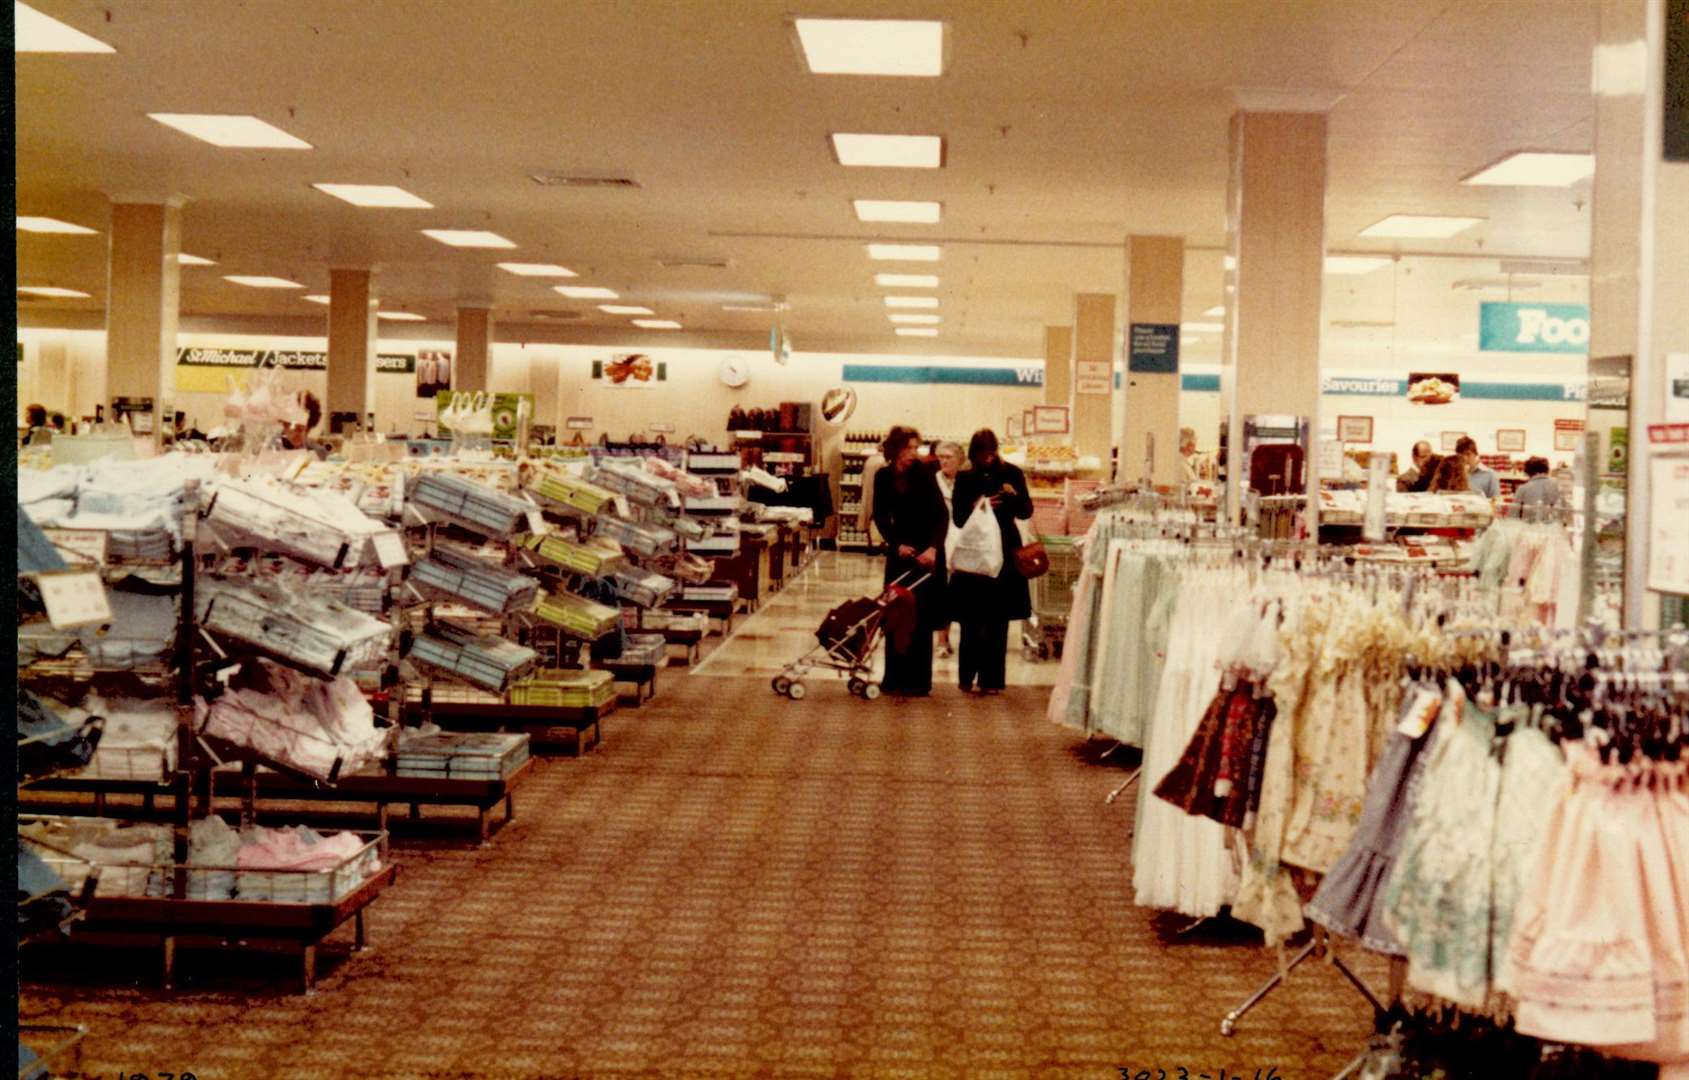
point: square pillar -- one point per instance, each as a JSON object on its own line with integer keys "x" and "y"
{"x": 474, "y": 348}
{"x": 1155, "y": 287}
{"x": 1058, "y": 365}
{"x": 1093, "y": 376}
{"x": 351, "y": 341}
{"x": 143, "y": 299}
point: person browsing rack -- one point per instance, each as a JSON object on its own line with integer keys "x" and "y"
{"x": 984, "y": 605}
{"x": 909, "y": 514}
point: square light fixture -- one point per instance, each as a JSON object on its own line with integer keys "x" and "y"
{"x": 915, "y": 320}
{"x": 54, "y": 291}
{"x": 587, "y": 292}
{"x": 657, "y": 324}
{"x": 233, "y": 132}
{"x": 907, "y": 281}
{"x": 860, "y": 150}
{"x": 1216, "y": 312}
{"x": 901, "y": 47}
{"x": 401, "y": 316}
{"x": 625, "y": 309}
{"x": 916, "y": 331}
{"x": 53, "y": 225}
{"x": 1201, "y": 327}
{"x": 468, "y": 238}
{"x": 903, "y": 252}
{"x": 915, "y": 213}
{"x": 912, "y": 301}
{"x": 184, "y": 259}
{"x": 259, "y": 281}
{"x": 38, "y": 33}
{"x": 1355, "y": 264}
{"x": 381, "y": 195}
{"x": 317, "y": 298}
{"x": 1421, "y": 226}
{"x": 537, "y": 270}
{"x": 1535, "y": 168}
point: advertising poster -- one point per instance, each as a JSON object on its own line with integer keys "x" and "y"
{"x": 433, "y": 372}
{"x": 502, "y": 412}
{"x": 630, "y": 371}
{"x": 1433, "y": 387}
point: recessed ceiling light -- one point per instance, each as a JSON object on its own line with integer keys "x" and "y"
{"x": 916, "y": 331}
{"x": 625, "y": 309}
{"x": 903, "y": 252}
{"x": 53, "y": 225}
{"x": 236, "y": 132}
{"x": 587, "y": 292}
{"x": 906, "y": 47}
{"x": 317, "y": 298}
{"x": 912, "y": 301}
{"x": 918, "y": 213}
{"x": 1217, "y": 311}
{"x": 258, "y": 281}
{"x": 375, "y": 195}
{"x": 657, "y": 324}
{"x": 537, "y": 269}
{"x": 52, "y": 290}
{"x": 1354, "y": 264}
{"x": 1535, "y": 168}
{"x": 1202, "y": 327}
{"x": 918, "y": 320}
{"x": 184, "y": 259}
{"x": 888, "y": 151}
{"x": 1421, "y": 226}
{"x": 907, "y": 281}
{"x": 468, "y": 238}
{"x": 35, "y": 32}
{"x": 401, "y": 316}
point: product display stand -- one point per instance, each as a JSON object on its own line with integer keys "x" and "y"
{"x": 1318, "y": 947}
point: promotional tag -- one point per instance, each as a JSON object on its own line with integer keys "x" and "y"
{"x": 390, "y": 550}
{"x": 80, "y": 545}
{"x": 74, "y": 598}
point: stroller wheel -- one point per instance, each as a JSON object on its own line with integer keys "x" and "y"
{"x": 796, "y": 691}
{"x": 782, "y": 684}
{"x": 870, "y": 691}
{"x": 856, "y": 686}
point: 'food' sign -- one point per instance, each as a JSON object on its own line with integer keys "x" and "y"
{"x": 1538, "y": 328}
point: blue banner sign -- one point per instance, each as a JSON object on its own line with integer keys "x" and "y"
{"x": 1535, "y": 328}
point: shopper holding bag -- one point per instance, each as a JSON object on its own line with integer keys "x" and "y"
{"x": 986, "y": 604}
{"x": 909, "y": 513}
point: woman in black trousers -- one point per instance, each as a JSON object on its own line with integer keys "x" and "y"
{"x": 985, "y": 605}
{"x": 909, "y": 512}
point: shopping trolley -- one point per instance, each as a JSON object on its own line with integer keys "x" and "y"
{"x": 846, "y": 639}
{"x": 1043, "y": 634}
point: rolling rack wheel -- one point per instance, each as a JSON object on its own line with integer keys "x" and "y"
{"x": 871, "y": 691}
{"x": 782, "y": 684}
{"x": 856, "y": 687}
{"x": 796, "y": 691}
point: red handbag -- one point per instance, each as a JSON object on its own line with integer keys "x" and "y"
{"x": 1031, "y": 560}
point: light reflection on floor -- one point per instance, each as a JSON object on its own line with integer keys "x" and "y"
{"x": 784, "y": 628}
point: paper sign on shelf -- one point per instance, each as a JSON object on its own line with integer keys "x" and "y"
{"x": 1668, "y": 547}
{"x": 74, "y": 598}
{"x": 1378, "y": 485}
{"x": 390, "y": 550}
{"x": 1677, "y": 387}
{"x": 80, "y": 545}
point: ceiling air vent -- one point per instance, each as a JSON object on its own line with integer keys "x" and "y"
{"x": 701, "y": 262}
{"x": 1544, "y": 268}
{"x": 556, "y": 316}
{"x": 582, "y": 180}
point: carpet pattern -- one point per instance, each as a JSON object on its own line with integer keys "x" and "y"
{"x": 738, "y": 885}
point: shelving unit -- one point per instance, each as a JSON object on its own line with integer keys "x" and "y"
{"x": 855, "y": 454}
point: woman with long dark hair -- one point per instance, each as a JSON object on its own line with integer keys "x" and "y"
{"x": 909, "y": 513}
{"x": 986, "y": 605}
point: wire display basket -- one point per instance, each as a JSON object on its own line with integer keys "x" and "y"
{"x": 565, "y": 689}
{"x": 312, "y": 632}
{"x": 482, "y": 508}
{"x": 569, "y": 491}
{"x": 636, "y": 483}
{"x": 642, "y": 540}
{"x": 593, "y": 557}
{"x": 578, "y": 616}
{"x": 642, "y": 587}
{"x": 482, "y": 659}
{"x": 456, "y": 575}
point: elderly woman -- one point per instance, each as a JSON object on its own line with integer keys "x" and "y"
{"x": 909, "y": 513}
{"x": 986, "y": 605}
{"x": 946, "y": 462}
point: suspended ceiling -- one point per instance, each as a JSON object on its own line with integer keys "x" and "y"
{"x": 1068, "y": 126}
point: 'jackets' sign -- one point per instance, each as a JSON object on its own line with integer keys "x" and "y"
{"x": 253, "y": 358}
{"x": 1539, "y": 328}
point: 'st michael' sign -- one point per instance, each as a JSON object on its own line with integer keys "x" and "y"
{"x": 1537, "y": 328}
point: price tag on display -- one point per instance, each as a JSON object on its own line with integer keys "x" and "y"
{"x": 80, "y": 545}
{"x": 74, "y": 598}
{"x": 537, "y": 523}
{"x": 390, "y": 550}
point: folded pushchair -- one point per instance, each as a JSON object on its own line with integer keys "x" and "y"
{"x": 847, "y": 638}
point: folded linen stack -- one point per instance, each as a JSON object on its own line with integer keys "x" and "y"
{"x": 139, "y": 742}
{"x": 594, "y": 557}
{"x": 565, "y": 689}
{"x": 316, "y": 632}
{"x": 644, "y": 540}
{"x": 482, "y": 659}
{"x": 142, "y": 631}
{"x": 302, "y": 866}
{"x": 696, "y": 487}
{"x": 684, "y": 566}
{"x": 577, "y": 615}
{"x": 129, "y": 858}
{"x": 319, "y": 526}
{"x": 643, "y": 587}
{"x": 568, "y": 490}
{"x": 474, "y": 504}
{"x": 461, "y": 755}
{"x": 213, "y": 851}
{"x": 644, "y": 649}
{"x": 460, "y": 576}
{"x": 295, "y": 720}
{"x": 633, "y": 481}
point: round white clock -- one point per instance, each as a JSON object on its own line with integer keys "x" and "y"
{"x": 735, "y": 371}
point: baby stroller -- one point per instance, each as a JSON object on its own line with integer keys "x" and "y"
{"x": 846, "y": 641}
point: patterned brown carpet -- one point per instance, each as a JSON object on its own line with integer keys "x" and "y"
{"x": 737, "y": 885}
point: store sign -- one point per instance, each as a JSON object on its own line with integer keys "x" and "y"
{"x": 1153, "y": 348}
{"x": 289, "y": 359}
{"x": 1537, "y": 328}
{"x": 1091, "y": 377}
{"x": 946, "y": 375}
{"x": 394, "y": 364}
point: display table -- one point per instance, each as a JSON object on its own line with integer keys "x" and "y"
{"x": 643, "y": 678}
{"x": 574, "y": 730}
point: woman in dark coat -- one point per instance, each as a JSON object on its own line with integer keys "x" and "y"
{"x": 985, "y": 606}
{"x": 909, "y": 512}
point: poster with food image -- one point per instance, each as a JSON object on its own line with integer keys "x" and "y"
{"x": 630, "y": 371}
{"x": 1433, "y": 388}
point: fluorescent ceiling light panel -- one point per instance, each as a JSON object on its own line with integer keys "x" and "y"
{"x": 912, "y": 301}
{"x": 1217, "y": 311}
{"x": 916, "y": 320}
{"x": 53, "y": 225}
{"x": 401, "y": 316}
{"x": 625, "y": 309}
{"x": 587, "y": 292}
{"x": 468, "y": 238}
{"x": 53, "y": 290}
{"x": 1535, "y": 168}
{"x": 184, "y": 259}
{"x": 657, "y": 324}
{"x": 1354, "y": 264}
{"x": 907, "y": 281}
{"x": 384, "y": 195}
{"x": 916, "y": 331}
{"x": 903, "y": 252}
{"x": 1202, "y": 327}
{"x": 317, "y": 298}
{"x": 860, "y": 150}
{"x": 35, "y": 32}
{"x": 233, "y": 132}
{"x": 1421, "y": 226}
{"x": 915, "y": 213}
{"x": 901, "y": 47}
{"x": 537, "y": 270}
{"x": 258, "y": 281}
